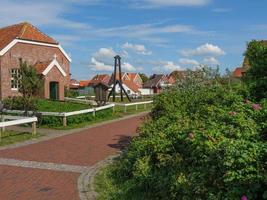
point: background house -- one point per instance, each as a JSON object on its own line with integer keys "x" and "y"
{"x": 25, "y": 42}
{"x": 131, "y": 82}
{"x": 155, "y": 84}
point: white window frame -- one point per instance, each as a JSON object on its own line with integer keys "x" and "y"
{"x": 15, "y": 76}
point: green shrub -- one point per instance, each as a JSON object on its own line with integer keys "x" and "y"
{"x": 256, "y": 77}
{"x": 17, "y": 103}
{"x": 203, "y": 141}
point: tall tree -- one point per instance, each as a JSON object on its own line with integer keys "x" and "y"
{"x": 256, "y": 76}
{"x": 144, "y": 77}
{"x": 30, "y": 85}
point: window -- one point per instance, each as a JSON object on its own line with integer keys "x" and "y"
{"x": 15, "y": 79}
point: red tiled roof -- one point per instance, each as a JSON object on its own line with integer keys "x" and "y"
{"x": 41, "y": 66}
{"x": 130, "y": 84}
{"x": 84, "y": 83}
{"x": 239, "y": 71}
{"x": 24, "y": 31}
{"x": 132, "y": 75}
{"x": 100, "y": 78}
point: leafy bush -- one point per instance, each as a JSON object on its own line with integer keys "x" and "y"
{"x": 256, "y": 77}
{"x": 71, "y": 93}
{"x": 204, "y": 141}
{"x": 17, "y": 103}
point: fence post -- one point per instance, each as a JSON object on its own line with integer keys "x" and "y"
{"x": 136, "y": 107}
{"x": 0, "y": 135}
{"x": 145, "y": 106}
{"x": 64, "y": 120}
{"x": 2, "y": 120}
{"x": 113, "y": 108}
{"x": 34, "y": 128}
{"x": 94, "y": 112}
{"x": 125, "y": 108}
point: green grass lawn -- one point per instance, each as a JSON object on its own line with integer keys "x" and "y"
{"x": 59, "y": 106}
{"x": 10, "y": 137}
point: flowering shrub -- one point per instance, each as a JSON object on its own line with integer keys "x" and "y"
{"x": 203, "y": 141}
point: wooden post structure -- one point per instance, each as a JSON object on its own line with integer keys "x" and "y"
{"x": 117, "y": 64}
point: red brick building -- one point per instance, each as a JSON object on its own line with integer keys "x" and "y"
{"x": 25, "y": 42}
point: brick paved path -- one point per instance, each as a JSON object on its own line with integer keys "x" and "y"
{"x": 50, "y": 169}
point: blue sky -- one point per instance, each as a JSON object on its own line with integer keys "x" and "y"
{"x": 152, "y": 36}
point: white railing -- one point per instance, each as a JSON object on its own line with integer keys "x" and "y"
{"x": 80, "y": 100}
{"x": 64, "y": 115}
{"x": 16, "y": 120}
{"x": 134, "y": 104}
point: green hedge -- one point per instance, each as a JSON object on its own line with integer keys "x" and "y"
{"x": 204, "y": 141}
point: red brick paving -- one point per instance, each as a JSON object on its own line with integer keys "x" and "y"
{"x": 17, "y": 183}
{"x": 85, "y": 148}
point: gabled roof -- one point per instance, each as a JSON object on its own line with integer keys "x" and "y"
{"x": 27, "y": 34}
{"x": 23, "y": 31}
{"x": 131, "y": 85}
{"x": 154, "y": 81}
{"x": 41, "y": 66}
{"x": 100, "y": 78}
{"x": 123, "y": 76}
{"x": 132, "y": 75}
{"x": 45, "y": 67}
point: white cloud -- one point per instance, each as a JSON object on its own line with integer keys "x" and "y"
{"x": 138, "y": 48}
{"x": 206, "y": 49}
{"x": 39, "y": 13}
{"x": 96, "y": 65}
{"x": 189, "y": 62}
{"x": 166, "y": 66}
{"x": 168, "y": 3}
{"x": 211, "y": 61}
{"x": 128, "y": 67}
{"x": 105, "y": 53}
{"x": 142, "y": 30}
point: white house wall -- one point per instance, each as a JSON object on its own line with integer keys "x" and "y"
{"x": 146, "y": 91}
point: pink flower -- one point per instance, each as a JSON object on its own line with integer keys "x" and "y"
{"x": 256, "y": 106}
{"x": 244, "y": 197}
{"x": 232, "y": 113}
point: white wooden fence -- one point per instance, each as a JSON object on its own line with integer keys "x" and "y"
{"x": 125, "y": 105}
{"x": 16, "y": 120}
{"x": 64, "y": 115}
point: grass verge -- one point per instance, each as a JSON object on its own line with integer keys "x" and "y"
{"x": 59, "y": 106}
{"x": 111, "y": 187}
{"x": 11, "y": 137}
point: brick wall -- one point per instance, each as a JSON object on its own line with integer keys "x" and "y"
{"x": 33, "y": 54}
